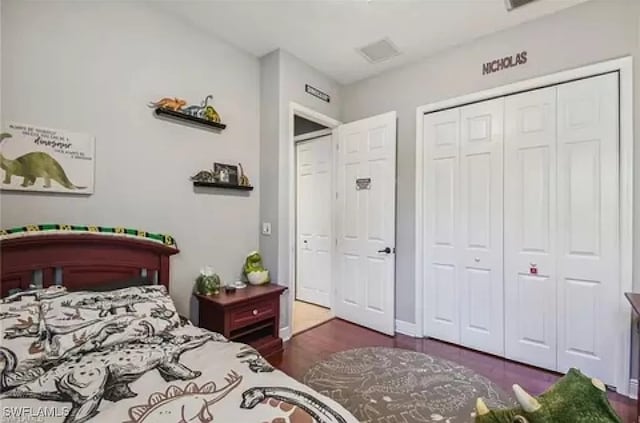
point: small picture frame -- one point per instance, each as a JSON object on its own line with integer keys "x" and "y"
{"x": 226, "y": 173}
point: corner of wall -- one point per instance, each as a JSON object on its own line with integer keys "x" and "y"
{"x": 269, "y": 151}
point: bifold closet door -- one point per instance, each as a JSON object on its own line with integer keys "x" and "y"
{"x": 480, "y": 278}
{"x": 530, "y": 227}
{"x": 561, "y": 226}
{"x": 463, "y": 225}
{"x": 441, "y": 228}
{"x": 588, "y": 223}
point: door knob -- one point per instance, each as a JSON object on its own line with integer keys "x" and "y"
{"x": 387, "y": 250}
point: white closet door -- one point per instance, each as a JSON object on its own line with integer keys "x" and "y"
{"x": 313, "y": 243}
{"x": 441, "y": 228}
{"x": 481, "y": 192}
{"x": 588, "y": 275}
{"x": 530, "y": 227}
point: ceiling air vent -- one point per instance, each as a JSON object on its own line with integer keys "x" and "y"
{"x": 514, "y": 4}
{"x": 379, "y": 51}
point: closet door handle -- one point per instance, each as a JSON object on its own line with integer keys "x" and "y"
{"x": 387, "y": 250}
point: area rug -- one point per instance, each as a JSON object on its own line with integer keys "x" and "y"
{"x": 392, "y": 385}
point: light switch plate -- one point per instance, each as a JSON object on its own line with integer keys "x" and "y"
{"x": 266, "y": 228}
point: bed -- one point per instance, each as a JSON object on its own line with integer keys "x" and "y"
{"x": 72, "y": 354}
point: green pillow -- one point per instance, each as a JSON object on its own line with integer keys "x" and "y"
{"x": 574, "y": 398}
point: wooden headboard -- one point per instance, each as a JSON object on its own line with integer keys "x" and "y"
{"x": 81, "y": 261}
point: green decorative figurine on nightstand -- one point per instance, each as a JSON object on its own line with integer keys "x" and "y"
{"x": 207, "y": 282}
{"x": 255, "y": 271}
{"x": 574, "y": 398}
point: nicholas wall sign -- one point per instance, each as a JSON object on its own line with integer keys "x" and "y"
{"x": 507, "y": 62}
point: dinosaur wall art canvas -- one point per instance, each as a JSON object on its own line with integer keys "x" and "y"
{"x": 34, "y": 158}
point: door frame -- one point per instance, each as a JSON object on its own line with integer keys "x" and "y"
{"x": 296, "y": 109}
{"x": 624, "y": 67}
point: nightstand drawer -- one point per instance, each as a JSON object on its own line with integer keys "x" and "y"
{"x": 252, "y": 313}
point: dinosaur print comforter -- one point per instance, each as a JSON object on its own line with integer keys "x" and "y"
{"x": 178, "y": 375}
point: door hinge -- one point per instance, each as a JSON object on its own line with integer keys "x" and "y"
{"x": 336, "y": 195}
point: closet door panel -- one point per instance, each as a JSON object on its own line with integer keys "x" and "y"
{"x": 441, "y": 227}
{"x": 530, "y": 227}
{"x": 481, "y": 226}
{"x": 588, "y": 210}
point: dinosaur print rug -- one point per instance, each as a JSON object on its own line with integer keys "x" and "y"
{"x": 182, "y": 374}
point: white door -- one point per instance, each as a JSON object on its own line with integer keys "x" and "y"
{"x": 365, "y": 222}
{"x": 588, "y": 207}
{"x": 441, "y": 233}
{"x": 530, "y": 227}
{"x": 481, "y": 193}
{"x": 313, "y": 226}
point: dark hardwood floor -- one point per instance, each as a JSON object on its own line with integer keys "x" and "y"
{"x": 305, "y": 349}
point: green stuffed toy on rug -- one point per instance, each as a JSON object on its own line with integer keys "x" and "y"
{"x": 574, "y": 398}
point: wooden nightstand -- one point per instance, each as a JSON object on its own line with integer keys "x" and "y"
{"x": 250, "y": 315}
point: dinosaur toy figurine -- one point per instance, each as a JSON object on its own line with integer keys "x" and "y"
{"x": 255, "y": 271}
{"x": 203, "y": 111}
{"x": 574, "y": 398}
{"x": 32, "y": 166}
{"x": 208, "y": 112}
{"x": 197, "y": 111}
{"x": 211, "y": 114}
{"x": 169, "y": 103}
{"x": 243, "y": 179}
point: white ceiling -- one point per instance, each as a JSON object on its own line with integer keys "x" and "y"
{"x": 325, "y": 33}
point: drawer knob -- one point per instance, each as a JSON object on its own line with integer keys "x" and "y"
{"x": 255, "y": 312}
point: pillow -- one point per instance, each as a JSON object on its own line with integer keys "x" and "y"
{"x": 119, "y": 284}
{"x": 21, "y": 329}
{"x": 573, "y": 398}
{"x": 84, "y": 321}
{"x": 35, "y": 294}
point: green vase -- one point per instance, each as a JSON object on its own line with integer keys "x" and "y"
{"x": 208, "y": 285}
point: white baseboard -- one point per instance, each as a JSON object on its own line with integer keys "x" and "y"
{"x": 285, "y": 333}
{"x": 633, "y": 388}
{"x": 406, "y": 328}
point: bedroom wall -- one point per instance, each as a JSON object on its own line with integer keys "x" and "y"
{"x": 591, "y": 32}
{"x": 93, "y": 67}
{"x": 291, "y": 76}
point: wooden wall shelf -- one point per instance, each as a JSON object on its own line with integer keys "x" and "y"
{"x": 222, "y": 185}
{"x": 188, "y": 118}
